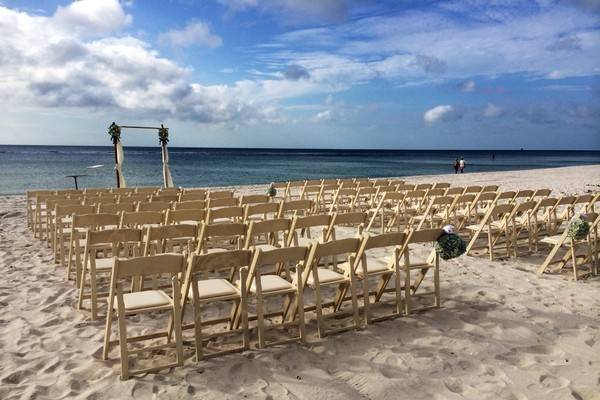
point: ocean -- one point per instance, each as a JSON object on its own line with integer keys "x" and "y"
{"x": 25, "y": 168}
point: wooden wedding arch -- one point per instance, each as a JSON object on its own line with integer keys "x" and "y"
{"x": 114, "y": 131}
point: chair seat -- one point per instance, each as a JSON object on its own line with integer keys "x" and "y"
{"x": 214, "y": 288}
{"x": 188, "y": 222}
{"x": 144, "y": 299}
{"x": 326, "y": 276}
{"x": 271, "y": 283}
{"x": 374, "y": 266}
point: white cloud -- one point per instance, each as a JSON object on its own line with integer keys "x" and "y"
{"x": 194, "y": 33}
{"x": 492, "y": 110}
{"x": 92, "y": 16}
{"x": 440, "y": 113}
{"x": 467, "y": 86}
{"x": 120, "y": 75}
{"x": 324, "y": 116}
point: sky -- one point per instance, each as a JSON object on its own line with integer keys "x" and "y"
{"x": 472, "y": 74}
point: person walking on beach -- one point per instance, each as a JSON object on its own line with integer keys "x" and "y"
{"x": 456, "y": 166}
{"x": 461, "y": 165}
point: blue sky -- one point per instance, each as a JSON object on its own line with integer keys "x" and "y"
{"x": 471, "y": 74}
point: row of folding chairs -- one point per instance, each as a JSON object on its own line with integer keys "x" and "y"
{"x": 86, "y": 239}
{"x": 332, "y": 275}
{"x": 509, "y": 226}
{"x": 40, "y": 204}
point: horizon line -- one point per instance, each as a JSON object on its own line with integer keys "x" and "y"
{"x": 301, "y": 148}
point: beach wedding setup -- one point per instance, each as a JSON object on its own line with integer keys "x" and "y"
{"x": 199, "y": 273}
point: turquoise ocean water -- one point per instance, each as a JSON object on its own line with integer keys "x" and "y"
{"x": 29, "y": 167}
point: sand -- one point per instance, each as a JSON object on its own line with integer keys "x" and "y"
{"x": 502, "y": 333}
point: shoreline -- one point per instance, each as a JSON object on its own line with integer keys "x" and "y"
{"x": 592, "y": 173}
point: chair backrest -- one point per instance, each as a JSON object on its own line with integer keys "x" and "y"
{"x": 215, "y": 262}
{"x": 122, "y": 191}
{"x": 215, "y": 233}
{"x": 116, "y": 208}
{"x": 254, "y": 199}
{"x": 141, "y": 218}
{"x": 473, "y": 189}
{"x": 178, "y": 216}
{"x": 107, "y": 199}
{"x": 114, "y": 237}
{"x": 233, "y": 214}
{"x": 276, "y": 229}
{"x": 95, "y": 221}
{"x": 424, "y": 235}
{"x": 509, "y": 196}
{"x": 383, "y": 240}
{"x": 67, "y": 210}
{"x": 147, "y": 266}
{"x": 397, "y": 182}
{"x": 381, "y": 190}
{"x": 424, "y": 186}
{"x": 190, "y": 205}
{"x": 524, "y": 194}
{"x": 455, "y": 190}
{"x": 193, "y": 195}
{"x": 164, "y": 198}
{"x": 220, "y": 194}
{"x": 381, "y": 182}
{"x": 303, "y": 225}
{"x": 136, "y": 197}
{"x": 154, "y": 206}
{"x": 441, "y": 185}
{"x": 490, "y": 188}
{"x": 436, "y": 192}
{"x": 161, "y": 239}
{"x": 222, "y": 202}
{"x": 147, "y": 190}
{"x": 295, "y": 207}
{"x": 542, "y": 193}
{"x": 264, "y": 209}
{"x": 334, "y": 248}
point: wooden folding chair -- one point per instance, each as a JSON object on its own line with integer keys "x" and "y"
{"x": 411, "y": 286}
{"x": 490, "y": 188}
{"x": 522, "y": 225}
{"x": 164, "y": 198}
{"x": 80, "y": 226}
{"x": 462, "y": 211}
{"x": 371, "y": 262}
{"x": 318, "y": 278}
{"x": 30, "y": 202}
{"x": 289, "y": 209}
{"x": 118, "y": 208}
{"x": 564, "y": 242}
{"x": 343, "y": 200}
{"x": 263, "y": 285}
{"x": 542, "y": 216}
{"x": 260, "y": 212}
{"x": 302, "y": 229}
{"x": 562, "y": 212}
{"x": 386, "y": 210}
{"x": 441, "y": 185}
{"x": 495, "y": 226}
{"x": 169, "y": 239}
{"x": 137, "y": 303}
{"x": 456, "y": 191}
{"x": 268, "y": 235}
{"x": 204, "y": 285}
{"x": 424, "y": 186}
{"x": 437, "y": 213}
{"x": 63, "y": 216}
{"x": 353, "y": 220}
{"x": 109, "y": 243}
{"x": 214, "y": 238}
{"x": 364, "y": 199}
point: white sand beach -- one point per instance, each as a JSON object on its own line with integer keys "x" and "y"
{"x": 503, "y": 332}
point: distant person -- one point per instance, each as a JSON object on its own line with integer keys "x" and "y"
{"x": 461, "y": 165}
{"x": 456, "y": 166}
{"x": 493, "y": 156}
